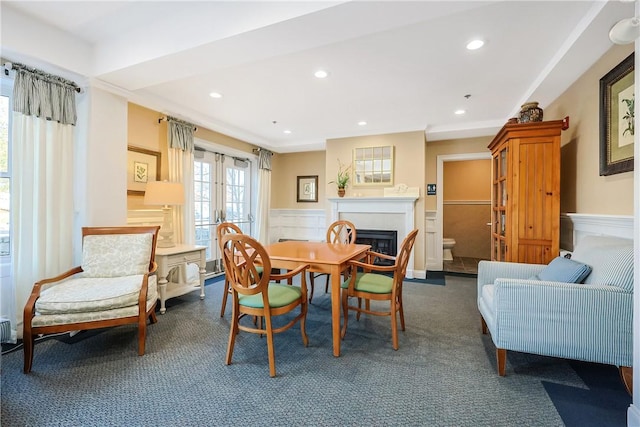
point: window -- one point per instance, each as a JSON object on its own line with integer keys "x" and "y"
{"x": 7, "y": 294}
{"x": 5, "y": 175}
{"x": 222, "y": 186}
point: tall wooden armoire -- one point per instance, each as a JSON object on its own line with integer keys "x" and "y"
{"x": 525, "y": 198}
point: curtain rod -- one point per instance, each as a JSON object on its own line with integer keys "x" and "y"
{"x": 166, "y": 119}
{"x": 49, "y": 77}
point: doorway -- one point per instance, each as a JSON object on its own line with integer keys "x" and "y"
{"x": 467, "y": 209}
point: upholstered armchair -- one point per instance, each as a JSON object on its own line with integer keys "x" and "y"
{"x": 115, "y": 285}
{"x": 532, "y": 308}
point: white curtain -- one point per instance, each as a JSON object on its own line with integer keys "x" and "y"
{"x": 41, "y": 203}
{"x": 42, "y": 212}
{"x": 264, "y": 196}
{"x": 181, "y": 170}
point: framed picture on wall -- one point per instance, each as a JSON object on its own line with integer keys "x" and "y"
{"x": 307, "y": 188}
{"x": 617, "y": 129}
{"x": 143, "y": 166}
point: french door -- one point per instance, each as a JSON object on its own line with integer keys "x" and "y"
{"x": 222, "y": 186}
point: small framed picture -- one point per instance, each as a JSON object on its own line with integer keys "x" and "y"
{"x": 143, "y": 166}
{"x": 307, "y": 188}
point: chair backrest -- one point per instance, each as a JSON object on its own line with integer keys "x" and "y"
{"x": 242, "y": 255}
{"x": 402, "y": 259}
{"x": 226, "y": 228}
{"x": 118, "y": 251}
{"x": 341, "y": 232}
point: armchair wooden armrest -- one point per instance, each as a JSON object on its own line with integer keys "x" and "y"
{"x": 290, "y": 274}
{"x": 38, "y": 287}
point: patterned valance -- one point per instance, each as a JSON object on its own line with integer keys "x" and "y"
{"x": 180, "y": 134}
{"x": 36, "y": 93}
{"x": 264, "y": 159}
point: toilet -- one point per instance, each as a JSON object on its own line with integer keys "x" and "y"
{"x": 447, "y": 245}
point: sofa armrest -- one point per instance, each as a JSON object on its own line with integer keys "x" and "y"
{"x": 489, "y": 271}
{"x": 583, "y": 322}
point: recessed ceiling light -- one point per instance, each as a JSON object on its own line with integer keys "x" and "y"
{"x": 287, "y": 131}
{"x": 215, "y": 95}
{"x": 459, "y": 112}
{"x": 475, "y": 44}
{"x": 362, "y": 123}
{"x": 321, "y": 74}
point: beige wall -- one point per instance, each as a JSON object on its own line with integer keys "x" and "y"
{"x": 452, "y": 146}
{"x": 144, "y": 131}
{"x": 285, "y": 170}
{"x": 465, "y": 182}
{"x": 582, "y": 189}
{"x": 408, "y": 165}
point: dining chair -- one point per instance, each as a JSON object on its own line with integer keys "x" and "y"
{"x": 378, "y": 283}
{"x": 343, "y": 232}
{"x": 256, "y": 294}
{"x": 222, "y": 230}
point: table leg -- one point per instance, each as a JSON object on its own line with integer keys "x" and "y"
{"x": 162, "y": 285}
{"x": 335, "y": 309}
{"x": 202, "y": 265}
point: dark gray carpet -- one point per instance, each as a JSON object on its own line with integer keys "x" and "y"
{"x": 444, "y": 373}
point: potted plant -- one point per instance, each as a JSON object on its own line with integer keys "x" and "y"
{"x": 342, "y": 179}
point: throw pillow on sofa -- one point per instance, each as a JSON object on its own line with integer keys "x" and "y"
{"x": 564, "y": 270}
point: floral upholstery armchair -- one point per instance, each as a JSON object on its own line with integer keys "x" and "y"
{"x": 590, "y": 320}
{"x": 115, "y": 285}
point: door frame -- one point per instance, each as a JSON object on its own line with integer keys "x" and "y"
{"x": 440, "y": 200}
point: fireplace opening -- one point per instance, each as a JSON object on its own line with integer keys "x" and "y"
{"x": 382, "y": 241}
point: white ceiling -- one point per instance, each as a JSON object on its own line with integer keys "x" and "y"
{"x": 400, "y": 66}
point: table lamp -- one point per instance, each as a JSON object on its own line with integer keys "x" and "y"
{"x": 165, "y": 193}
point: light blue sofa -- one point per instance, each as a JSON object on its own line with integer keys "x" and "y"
{"x": 589, "y": 321}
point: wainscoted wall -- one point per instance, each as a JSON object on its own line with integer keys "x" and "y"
{"x": 575, "y": 226}
{"x": 466, "y": 222}
{"x": 302, "y": 224}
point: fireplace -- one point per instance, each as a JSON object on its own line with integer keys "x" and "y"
{"x": 382, "y": 241}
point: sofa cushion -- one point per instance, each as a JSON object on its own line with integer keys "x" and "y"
{"x": 564, "y": 270}
{"x": 89, "y": 294}
{"x": 610, "y": 258}
{"x": 113, "y": 255}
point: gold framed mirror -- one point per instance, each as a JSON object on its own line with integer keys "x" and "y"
{"x": 373, "y": 166}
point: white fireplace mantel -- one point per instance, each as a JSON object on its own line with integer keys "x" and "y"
{"x": 397, "y": 207}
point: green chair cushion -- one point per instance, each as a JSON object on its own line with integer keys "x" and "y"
{"x": 279, "y": 296}
{"x": 371, "y": 282}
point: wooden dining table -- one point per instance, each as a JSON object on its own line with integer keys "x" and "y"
{"x": 322, "y": 257}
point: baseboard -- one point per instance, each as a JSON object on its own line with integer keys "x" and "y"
{"x": 633, "y": 416}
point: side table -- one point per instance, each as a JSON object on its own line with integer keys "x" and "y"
{"x": 168, "y": 258}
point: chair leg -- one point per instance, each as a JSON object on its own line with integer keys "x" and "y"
{"x": 312, "y": 281}
{"x": 484, "y": 326}
{"x": 270, "y": 347}
{"x": 345, "y": 312}
{"x": 303, "y": 325}
{"x": 152, "y": 317}
{"x": 501, "y": 356}
{"x": 233, "y": 331}
{"x": 225, "y": 295}
{"x": 27, "y": 340}
{"x": 394, "y": 327}
{"x": 326, "y": 285}
{"x": 401, "y": 311}
{"x": 142, "y": 334}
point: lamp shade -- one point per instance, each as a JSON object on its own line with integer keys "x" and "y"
{"x": 625, "y": 31}
{"x": 164, "y": 193}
